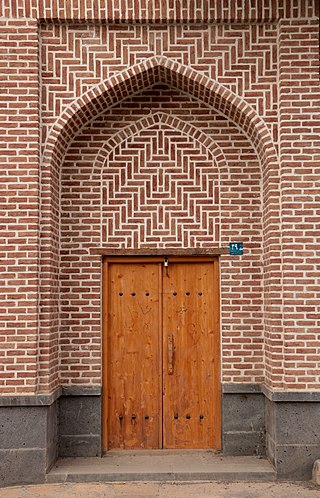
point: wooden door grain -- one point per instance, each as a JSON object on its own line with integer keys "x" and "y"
{"x": 190, "y": 356}
{"x": 134, "y": 357}
{"x": 161, "y": 354}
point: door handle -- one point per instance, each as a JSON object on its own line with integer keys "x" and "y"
{"x": 170, "y": 354}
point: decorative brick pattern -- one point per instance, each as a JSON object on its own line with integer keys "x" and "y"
{"x": 241, "y": 58}
{"x": 161, "y": 188}
{"x": 158, "y": 69}
{"x": 118, "y": 91}
{"x": 155, "y": 11}
{"x": 151, "y": 132}
{"x": 146, "y": 74}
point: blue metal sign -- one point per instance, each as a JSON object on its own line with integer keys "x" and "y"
{"x": 236, "y": 248}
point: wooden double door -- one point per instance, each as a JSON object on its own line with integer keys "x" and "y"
{"x": 161, "y": 382}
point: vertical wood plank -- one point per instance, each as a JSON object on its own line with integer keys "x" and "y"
{"x": 104, "y": 355}
{"x": 160, "y": 346}
{"x": 217, "y": 355}
{"x": 183, "y": 301}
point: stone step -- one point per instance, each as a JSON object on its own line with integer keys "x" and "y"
{"x": 161, "y": 465}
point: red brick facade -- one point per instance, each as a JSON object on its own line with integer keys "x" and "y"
{"x": 148, "y": 125}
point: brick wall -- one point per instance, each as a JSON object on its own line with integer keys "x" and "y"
{"x": 19, "y": 173}
{"x": 300, "y": 169}
{"x": 155, "y": 11}
{"x": 211, "y": 92}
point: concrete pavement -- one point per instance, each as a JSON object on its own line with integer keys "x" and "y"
{"x": 165, "y": 490}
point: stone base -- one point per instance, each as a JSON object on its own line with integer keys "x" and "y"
{"x": 162, "y": 466}
{"x": 35, "y": 430}
{"x": 285, "y": 425}
{"x": 293, "y": 437}
{"x": 80, "y": 423}
{"x": 243, "y": 421}
{"x": 28, "y": 443}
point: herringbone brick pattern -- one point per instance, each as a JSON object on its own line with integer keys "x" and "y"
{"x": 164, "y": 171}
{"x": 176, "y": 204}
{"x": 243, "y": 59}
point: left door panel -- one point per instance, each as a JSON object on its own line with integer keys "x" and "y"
{"x": 134, "y": 357}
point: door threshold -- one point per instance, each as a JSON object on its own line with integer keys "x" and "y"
{"x": 162, "y": 452}
{"x": 161, "y": 466}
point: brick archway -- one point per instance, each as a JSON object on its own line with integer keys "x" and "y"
{"x": 143, "y": 75}
{"x": 85, "y": 109}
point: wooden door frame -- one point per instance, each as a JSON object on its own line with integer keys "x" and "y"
{"x": 106, "y": 260}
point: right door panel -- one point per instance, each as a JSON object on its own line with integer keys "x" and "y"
{"x": 191, "y": 404}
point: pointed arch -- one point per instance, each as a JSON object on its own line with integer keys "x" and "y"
{"x": 145, "y": 74}
{"x": 160, "y": 118}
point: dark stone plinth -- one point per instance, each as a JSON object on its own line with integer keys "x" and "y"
{"x": 28, "y": 442}
{"x": 243, "y": 425}
{"x": 22, "y": 466}
{"x": 23, "y": 427}
{"x": 80, "y": 425}
{"x": 255, "y": 421}
{"x": 293, "y": 437}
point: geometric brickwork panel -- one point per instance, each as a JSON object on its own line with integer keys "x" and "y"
{"x": 160, "y": 189}
{"x": 241, "y": 57}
